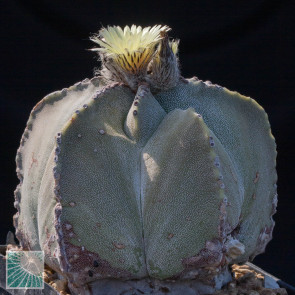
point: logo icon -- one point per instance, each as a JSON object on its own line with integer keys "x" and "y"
{"x": 24, "y": 269}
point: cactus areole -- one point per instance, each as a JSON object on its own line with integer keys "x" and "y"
{"x": 140, "y": 174}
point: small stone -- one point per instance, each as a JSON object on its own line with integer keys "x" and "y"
{"x": 170, "y": 236}
{"x": 83, "y": 248}
{"x": 95, "y": 150}
{"x": 95, "y": 263}
{"x": 135, "y": 112}
{"x": 77, "y": 111}
{"x": 267, "y": 291}
{"x": 72, "y": 204}
{"x": 79, "y": 135}
{"x": 101, "y": 131}
{"x": 85, "y": 106}
{"x": 270, "y": 283}
{"x": 59, "y": 285}
{"x": 232, "y": 285}
{"x": 136, "y": 103}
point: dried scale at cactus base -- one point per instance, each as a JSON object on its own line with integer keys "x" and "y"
{"x": 139, "y": 173}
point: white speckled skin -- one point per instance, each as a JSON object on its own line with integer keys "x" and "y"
{"x": 131, "y": 185}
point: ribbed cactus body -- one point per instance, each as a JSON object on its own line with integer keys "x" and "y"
{"x": 241, "y": 126}
{"x": 127, "y": 185}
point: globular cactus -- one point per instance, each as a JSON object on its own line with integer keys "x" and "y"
{"x": 140, "y": 173}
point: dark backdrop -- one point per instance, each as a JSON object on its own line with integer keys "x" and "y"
{"x": 246, "y": 46}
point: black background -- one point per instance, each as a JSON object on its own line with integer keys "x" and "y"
{"x": 246, "y": 46}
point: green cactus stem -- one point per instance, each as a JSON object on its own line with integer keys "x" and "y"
{"x": 141, "y": 174}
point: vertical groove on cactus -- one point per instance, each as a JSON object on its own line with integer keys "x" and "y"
{"x": 144, "y": 116}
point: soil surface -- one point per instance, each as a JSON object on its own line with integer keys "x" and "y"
{"x": 246, "y": 282}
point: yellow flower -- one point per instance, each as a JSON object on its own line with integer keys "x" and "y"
{"x": 131, "y": 48}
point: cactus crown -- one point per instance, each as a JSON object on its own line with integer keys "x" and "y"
{"x": 132, "y": 48}
{"x": 127, "y": 54}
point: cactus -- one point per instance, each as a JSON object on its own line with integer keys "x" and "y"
{"x": 140, "y": 173}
